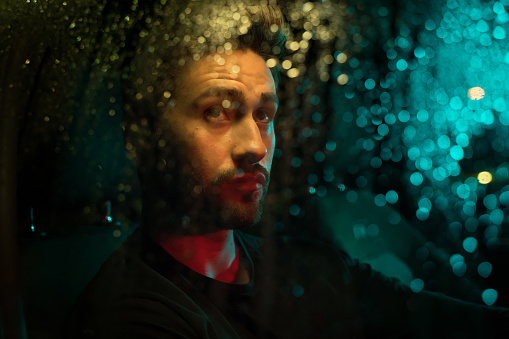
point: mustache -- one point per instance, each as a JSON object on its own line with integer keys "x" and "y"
{"x": 228, "y": 175}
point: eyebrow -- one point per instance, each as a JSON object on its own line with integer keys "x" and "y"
{"x": 270, "y": 97}
{"x": 234, "y": 94}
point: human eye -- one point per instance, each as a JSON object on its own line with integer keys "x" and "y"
{"x": 264, "y": 116}
{"x": 215, "y": 114}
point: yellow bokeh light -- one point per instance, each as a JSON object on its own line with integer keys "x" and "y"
{"x": 484, "y": 177}
{"x": 287, "y": 64}
{"x": 307, "y": 35}
{"x": 307, "y": 6}
{"x": 271, "y": 62}
{"x": 294, "y": 45}
{"x": 304, "y": 44}
{"x": 328, "y": 59}
{"x": 342, "y": 79}
{"x": 475, "y": 93}
{"x": 292, "y": 73}
{"x": 324, "y": 76}
{"x": 341, "y": 58}
{"x": 226, "y": 103}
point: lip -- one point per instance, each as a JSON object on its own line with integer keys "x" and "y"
{"x": 249, "y": 182}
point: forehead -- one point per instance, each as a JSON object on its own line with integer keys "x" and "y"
{"x": 243, "y": 71}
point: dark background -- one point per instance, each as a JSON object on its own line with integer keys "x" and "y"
{"x": 379, "y": 145}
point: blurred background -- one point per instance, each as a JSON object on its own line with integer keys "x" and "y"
{"x": 392, "y": 143}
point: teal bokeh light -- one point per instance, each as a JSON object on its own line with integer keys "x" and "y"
{"x": 489, "y": 296}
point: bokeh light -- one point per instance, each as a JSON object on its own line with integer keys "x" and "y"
{"x": 402, "y": 106}
{"x": 475, "y": 93}
{"x": 484, "y": 177}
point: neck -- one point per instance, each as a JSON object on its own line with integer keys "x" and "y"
{"x": 213, "y": 255}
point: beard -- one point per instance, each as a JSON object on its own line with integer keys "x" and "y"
{"x": 178, "y": 201}
{"x": 213, "y": 205}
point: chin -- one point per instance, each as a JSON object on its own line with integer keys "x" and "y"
{"x": 239, "y": 216}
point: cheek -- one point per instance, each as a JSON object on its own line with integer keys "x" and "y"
{"x": 209, "y": 153}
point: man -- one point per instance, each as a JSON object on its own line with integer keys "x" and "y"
{"x": 204, "y": 142}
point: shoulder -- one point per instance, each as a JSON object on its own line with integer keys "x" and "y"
{"x": 131, "y": 298}
{"x": 139, "y": 316}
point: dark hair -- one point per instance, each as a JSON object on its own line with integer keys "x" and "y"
{"x": 173, "y": 36}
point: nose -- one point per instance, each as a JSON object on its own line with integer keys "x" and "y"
{"x": 249, "y": 147}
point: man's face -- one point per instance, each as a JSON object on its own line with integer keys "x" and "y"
{"x": 224, "y": 129}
